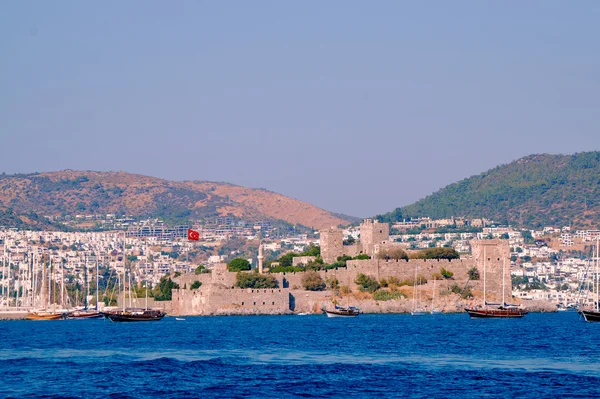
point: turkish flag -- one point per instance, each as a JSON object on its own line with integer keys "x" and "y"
{"x": 193, "y": 235}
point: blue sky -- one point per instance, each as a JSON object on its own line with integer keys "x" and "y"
{"x": 356, "y": 107}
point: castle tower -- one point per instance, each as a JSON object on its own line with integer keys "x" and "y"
{"x": 332, "y": 244}
{"x": 496, "y": 253}
{"x": 260, "y": 257}
{"x": 373, "y": 233}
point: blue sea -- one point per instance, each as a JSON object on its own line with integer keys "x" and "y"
{"x": 553, "y": 355}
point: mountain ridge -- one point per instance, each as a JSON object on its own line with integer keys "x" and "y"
{"x": 93, "y": 192}
{"x": 533, "y": 191}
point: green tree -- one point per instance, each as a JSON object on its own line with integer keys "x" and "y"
{"x": 312, "y": 281}
{"x": 162, "y": 292}
{"x": 255, "y": 280}
{"x": 197, "y": 284}
{"x": 473, "y": 273}
{"x": 436, "y": 253}
{"x": 366, "y": 283}
{"x": 238, "y": 264}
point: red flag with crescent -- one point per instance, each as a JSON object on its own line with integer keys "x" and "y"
{"x": 193, "y": 235}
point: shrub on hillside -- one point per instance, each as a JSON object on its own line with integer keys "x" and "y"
{"x": 312, "y": 281}
{"x": 446, "y": 273}
{"x": 383, "y": 295}
{"x": 195, "y": 285}
{"x": 366, "y": 283}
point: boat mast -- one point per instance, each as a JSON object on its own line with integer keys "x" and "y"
{"x": 62, "y": 285}
{"x": 597, "y": 286}
{"x": 97, "y": 279}
{"x": 87, "y": 281}
{"x": 44, "y": 281}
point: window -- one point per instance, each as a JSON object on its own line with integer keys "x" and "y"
{"x": 273, "y": 303}
{"x": 263, "y": 303}
{"x": 242, "y": 303}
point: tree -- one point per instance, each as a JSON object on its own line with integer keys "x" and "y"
{"x": 473, "y": 273}
{"x": 366, "y": 283}
{"x": 201, "y": 269}
{"x": 397, "y": 254}
{"x": 383, "y": 254}
{"x": 162, "y": 292}
{"x": 255, "y": 280}
{"x": 238, "y": 265}
{"x": 349, "y": 241}
{"x": 196, "y": 285}
{"x": 312, "y": 281}
{"x": 437, "y": 253}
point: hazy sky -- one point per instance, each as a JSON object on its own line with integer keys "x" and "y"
{"x": 356, "y": 107}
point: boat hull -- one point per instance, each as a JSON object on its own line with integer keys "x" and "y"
{"x": 84, "y": 315}
{"x": 496, "y": 313}
{"x": 44, "y": 316}
{"x": 590, "y": 315}
{"x": 419, "y": 313}
{"x": 133, "y": 316}
{"x": 342, "y": 313}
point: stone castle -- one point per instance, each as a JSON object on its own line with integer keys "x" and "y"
{"x": 219, "y": 296}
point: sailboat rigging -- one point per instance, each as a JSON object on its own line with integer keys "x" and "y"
{"x": 340, "y": 311}
{"x": 502, "y": 310}
{"x": 593, "y": 314}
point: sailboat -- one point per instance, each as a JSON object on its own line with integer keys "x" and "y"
{"x": 87, "y": 313}
{"x": 135, "y": 314}
{"x": 434, "y": 310}
{"x": 44, "y": 314}
{"x": 590, "y": 315}
{"x": 502, "y": 310}
{"x": 417, "y": 311}
{"x": 341, "y": 311}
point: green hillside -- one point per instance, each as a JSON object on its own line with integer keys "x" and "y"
{"x": 534, "y": 191}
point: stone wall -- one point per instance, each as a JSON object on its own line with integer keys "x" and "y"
{"x": 372, "y": 233}
{"x": 331, "y": 242}
{"x": 222, "y": 301}
{"x": 492, "y": 257}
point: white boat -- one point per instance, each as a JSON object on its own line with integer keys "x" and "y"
{"x": 179, "y": 319}
{"x": 433, "y": 308}
{"x": 417, "y": 311}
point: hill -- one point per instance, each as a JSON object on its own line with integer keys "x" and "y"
{"x": 534, "y": 191}
{"x": 26, "y": 197}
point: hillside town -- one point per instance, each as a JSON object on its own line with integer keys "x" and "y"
{"x": 553, "y": 264}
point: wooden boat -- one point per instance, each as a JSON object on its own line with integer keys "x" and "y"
{"x": 130, "y": 315}
{"x": 84, "y": 314}
{"x": 340, "y": 311}
{"x": 499, "y": 310}
{"x": 590, "y": 315}
{"x": 44, "y": 315}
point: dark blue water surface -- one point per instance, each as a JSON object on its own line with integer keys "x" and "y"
{"x": 543, "y": 355}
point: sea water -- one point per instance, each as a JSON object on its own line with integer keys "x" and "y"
{"x": 542, "y": 355}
